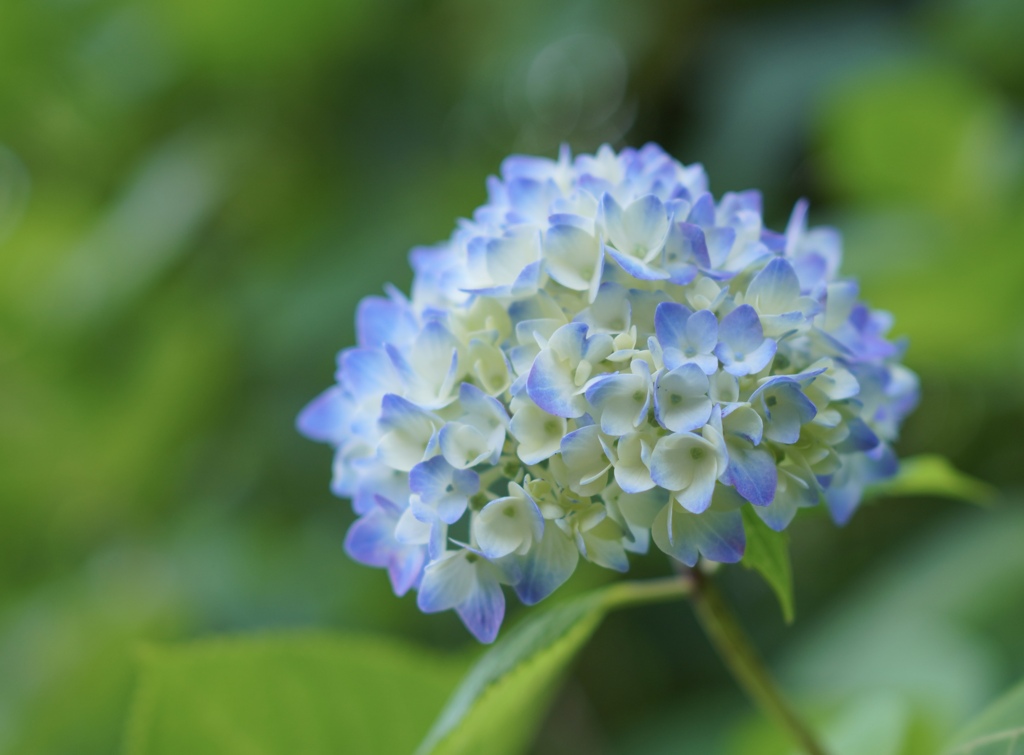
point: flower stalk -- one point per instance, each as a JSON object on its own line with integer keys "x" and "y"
{"x": 743, "y": 662}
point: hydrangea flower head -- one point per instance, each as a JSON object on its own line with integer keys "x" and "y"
{"x": 603, "y": 357}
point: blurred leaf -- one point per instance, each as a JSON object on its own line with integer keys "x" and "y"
{"x": 930, "y": 165}
{"x": 1000, "y": 729}
{"x": 502, "y": 700}
{"x": 927, "y": 133}
{"x": 239, "y": 38}
{"x": 287, "y": 694}
{"x": 930, "y": 474}
{"x": 14, "y": 191}
{"x": 878, "y": 724}
{"x": 986, "y": 31}
{"x": 768, "y": 553}
{"x": 913, "y": 626}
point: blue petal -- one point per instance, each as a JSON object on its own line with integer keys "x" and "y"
{"x": 843, "y": 499}
{"x": 797, "y": 224}
{"x": 717, "y": 534}
{"x": 720, "y": 242}
{"x": 775, "y": 287}
{"x": 550, "y": 385}
{"x": 759, "y": 358}
{"x": 741, "y": 329}
{"x": 734, "y": 202}
{"x": 443, "y": 487}
{"x": 367, "y": 372}
{"x": 324, "y": 418}
{"x": 528, "y": 197}
{"x": 786, "y": 410}
{"x": 779, "y": 513}
{"x": 670, "y": 320}
{"x": 446, "y": 582}
{"x": 482, "y": 612}
{"x": 371, "y": 541}
{"x": 397, "y": 412}
{"x": 702, "y": 331}
{"x": 753, "y": 473}
{"x": 406, "y": 569}
{"x": 861, "y": 437}
{"x": 637, "y": 268}
{"x": 380, "y": 321}
{"x": 703, "y": 211}
{"x": 550, "y": 562}
{"x": 686, "y": 244}
{"x": 776, "y": 242}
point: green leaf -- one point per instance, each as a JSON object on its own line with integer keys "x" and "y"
{"x": 503, "y": 698}
{"x": 1000, "y": 729}
{"x": 768, "y": 553}
{"x": 297, "y": 693}
{"x": 933, "y": 475}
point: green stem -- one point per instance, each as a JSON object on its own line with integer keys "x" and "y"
{"x": 641, "y": 591}
{"x": 747, "y": 668}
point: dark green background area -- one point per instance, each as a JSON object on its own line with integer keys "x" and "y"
{"x": 195, "y": 193}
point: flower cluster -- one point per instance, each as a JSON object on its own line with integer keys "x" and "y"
{"x": 603, "y": 356}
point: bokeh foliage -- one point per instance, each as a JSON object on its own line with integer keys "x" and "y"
{"x": 194, "y": 194}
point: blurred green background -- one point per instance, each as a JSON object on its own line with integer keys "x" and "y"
{"x": 195, "y": 193}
